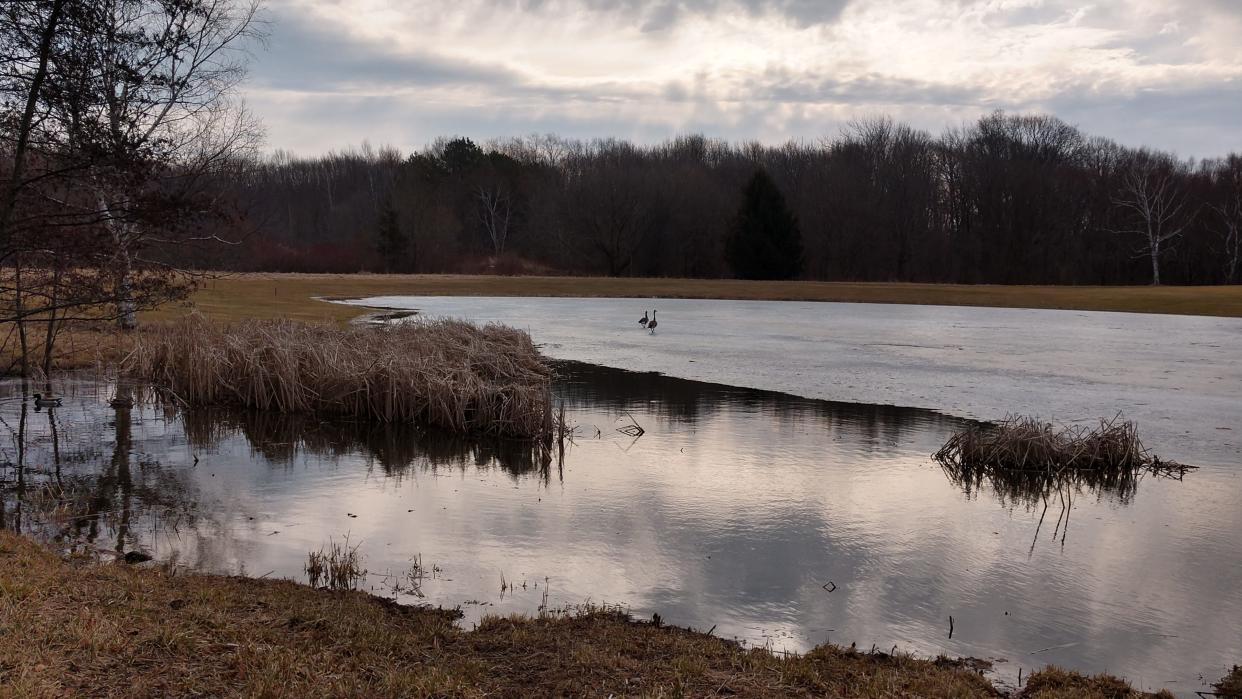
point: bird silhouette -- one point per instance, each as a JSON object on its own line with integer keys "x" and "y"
{"x": 42, "y": 401}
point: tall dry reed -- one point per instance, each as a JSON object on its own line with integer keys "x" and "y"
{"x": 1025, "y": 458}
{"x": 446, "y": 373}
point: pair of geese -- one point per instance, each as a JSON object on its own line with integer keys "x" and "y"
{"x": 42, "y": 401}
{"x": 648, "y": 324}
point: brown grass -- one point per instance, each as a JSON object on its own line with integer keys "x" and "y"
{"x": 1053, "y": 683}
{"x": 237, "y": 297}
{"x": 338, "y": 566}
{"x": 445, "y": 373}
{"x": 1024, "y": 445}
{"x": 84, "y": 629}
{"x": 291, "y": 295}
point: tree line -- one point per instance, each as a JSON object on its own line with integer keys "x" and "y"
{"x": 1008, "y": 199}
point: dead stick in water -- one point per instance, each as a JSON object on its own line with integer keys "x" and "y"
{"x": 950, "y": 626}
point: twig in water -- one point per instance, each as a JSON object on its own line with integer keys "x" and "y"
{"x": 633, "y": 429}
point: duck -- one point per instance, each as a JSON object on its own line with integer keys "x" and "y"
{"x": 42, "y": 401}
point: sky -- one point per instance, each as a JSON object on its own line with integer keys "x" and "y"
{"x": 336, "y": 73}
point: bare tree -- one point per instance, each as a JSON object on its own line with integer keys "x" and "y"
{"x": 147, "y": 91}
{"x": 117, "y": 124}
{"x": 27, "y": 37}
{"x": 495, "y": 212}
{"x": 1153, "y": 201}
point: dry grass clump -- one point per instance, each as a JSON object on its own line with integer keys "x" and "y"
{"x": 1023, "y": 454}
{"x": 444, "y": 373}
{"x": 1055, "y": 683}
{"x": 338, "y": 566}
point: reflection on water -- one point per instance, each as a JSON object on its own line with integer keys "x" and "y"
{"x": 734, "y": 509}
{"x": 279, "y": 438}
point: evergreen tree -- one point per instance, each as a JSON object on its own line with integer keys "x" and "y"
{"x": 391, "y": 242}
{"x": 765, "y": 242}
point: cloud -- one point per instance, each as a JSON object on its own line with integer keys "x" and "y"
{"x": 659, "y": 14}
{"x": 308, "y": 55}
{"x": 1158, "y": 72}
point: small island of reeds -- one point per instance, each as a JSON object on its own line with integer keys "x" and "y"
{"x": 448, "y": 374}
{"x": 1027, "y": 459}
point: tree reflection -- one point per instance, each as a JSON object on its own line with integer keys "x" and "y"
{"x": 279, "y": 438}
{"x": 68, "y": 491}
{"x": 689, "y": 402}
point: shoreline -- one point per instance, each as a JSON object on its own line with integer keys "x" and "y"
{"x": 150, "y": 629}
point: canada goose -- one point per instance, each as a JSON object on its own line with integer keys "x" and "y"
{"x": 643, "y": 321}
{"x": 652, "y": 325}
{"x": 49, "y": 402}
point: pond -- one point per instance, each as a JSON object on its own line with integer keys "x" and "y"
{"x": 774, "y": 519}
{"x": 1178, "y": 377}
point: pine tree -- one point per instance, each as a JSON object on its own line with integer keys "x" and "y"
{"x": 391, "y": 242}
{"x": 765, "y": 242}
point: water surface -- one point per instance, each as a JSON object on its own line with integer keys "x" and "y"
{"x": 734, "y": 510}
{"x": 1178, "y": 377}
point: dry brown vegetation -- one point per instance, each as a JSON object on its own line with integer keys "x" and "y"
{"x": 1027, "y": 448}
{"x": 338, "y": 566}
{"x": 444, "y": 373}
{"x": 297, "y": 297}
{"x": 292, "y": 295}
{"x": 1054, "y": 683}
{"x": 86, "y": 629}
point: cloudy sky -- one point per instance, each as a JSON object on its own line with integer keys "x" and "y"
{"x": 402, "y": 72}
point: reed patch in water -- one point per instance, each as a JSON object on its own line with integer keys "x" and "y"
{"x": 444, "y": 373}
{"x": 1026, "y": 454}
{"x": 338, "y": 566}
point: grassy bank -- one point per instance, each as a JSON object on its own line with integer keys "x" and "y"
{"x": 82, "y": 629}
{"x": 291, "y": 295}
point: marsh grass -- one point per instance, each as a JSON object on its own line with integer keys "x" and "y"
{"x": 1026, "y": 459}
{"x": 338, "y": 566}
{"x": 445, "y": 373}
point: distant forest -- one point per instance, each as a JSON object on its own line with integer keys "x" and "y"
{"x": 1009, "y": 199}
